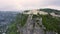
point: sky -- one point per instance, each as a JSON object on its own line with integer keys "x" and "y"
{"x": 13, "y": 5}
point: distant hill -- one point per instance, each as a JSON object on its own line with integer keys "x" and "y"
{"x": 50, "y": 10}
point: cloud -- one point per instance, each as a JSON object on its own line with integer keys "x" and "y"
{"x": 8, "y": 5}
{"x": 53, "y": 6}
{"x": 28, "y": 4}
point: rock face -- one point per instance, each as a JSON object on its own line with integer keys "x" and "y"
{"x": 51, "y": 32}
{"x": 32, "y": 27}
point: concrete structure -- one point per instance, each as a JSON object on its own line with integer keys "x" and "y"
{"x": 53, "y": 14}
{"x": 35, "y": 12}
{"x": 40, "y": 12}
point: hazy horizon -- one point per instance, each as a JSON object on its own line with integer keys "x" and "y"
{"x": 16, "y": 5}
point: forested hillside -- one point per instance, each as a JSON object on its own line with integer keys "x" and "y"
{"x": 50, "y": 22}
{"x": 50, "y": 10}
{"x": 20, "y": 20}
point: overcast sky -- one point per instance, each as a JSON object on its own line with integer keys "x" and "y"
{"x": 12, "y": 5}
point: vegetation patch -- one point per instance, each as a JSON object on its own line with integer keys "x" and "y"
{"x": 20, "y": 20}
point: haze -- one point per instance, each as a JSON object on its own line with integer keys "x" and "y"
{"x": 13, "y": 5}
